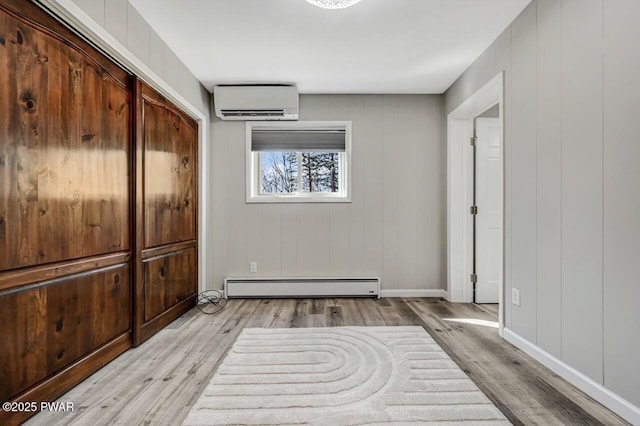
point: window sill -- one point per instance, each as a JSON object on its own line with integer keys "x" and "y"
{"x": 296, "y": 199}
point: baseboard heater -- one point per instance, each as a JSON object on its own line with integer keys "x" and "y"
{"x": 301, "y": 287}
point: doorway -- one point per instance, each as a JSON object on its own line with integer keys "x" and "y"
{"x": 475, "y": 194}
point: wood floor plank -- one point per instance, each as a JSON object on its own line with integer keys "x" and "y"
{"x": 262, "y": 316}
{"x": 318, "y": 306}
{"x": 301, "y": 313}
{"x": 351, "y": 312}
{"x": 283, "y": 313}
{"x": 491, "y": 308}
{"x": 334, "y": 316}
{"x": 370, "y": 314}
{"x": 158, "y": 382}
{"x": 389, "y": 314}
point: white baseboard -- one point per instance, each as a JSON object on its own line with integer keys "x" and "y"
{"x": 615, "y": 403}
{"x": 414, "y": 293}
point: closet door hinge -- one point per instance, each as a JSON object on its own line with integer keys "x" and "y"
{"x": 473, "y": 278}
{"x": 473, "y": 210}
{"x": 473, "y": 140}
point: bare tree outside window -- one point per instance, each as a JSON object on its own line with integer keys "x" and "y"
{"x": 320, "y": 172}
{"x": 279, "y": 172}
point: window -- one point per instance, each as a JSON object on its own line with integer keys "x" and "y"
{"x": 298, "y": 161}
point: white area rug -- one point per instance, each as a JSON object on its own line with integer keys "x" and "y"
{"x": 341, "y": 376}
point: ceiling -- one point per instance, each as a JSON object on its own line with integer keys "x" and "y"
{"x": 375, "y": 46}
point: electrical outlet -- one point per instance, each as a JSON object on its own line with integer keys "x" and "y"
{"x": 515, "y": 296}
{"x": 253, "y": 267}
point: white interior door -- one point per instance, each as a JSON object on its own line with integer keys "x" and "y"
{"x": 488, "y": 249}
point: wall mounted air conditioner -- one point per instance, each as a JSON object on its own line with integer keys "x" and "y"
{"x": 256, "y": 102}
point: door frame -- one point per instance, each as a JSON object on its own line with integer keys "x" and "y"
{"x": 460, "y": 192}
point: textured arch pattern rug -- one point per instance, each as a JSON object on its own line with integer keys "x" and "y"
{"x": 341, "y": 376}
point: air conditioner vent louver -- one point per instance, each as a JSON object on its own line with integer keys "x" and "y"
{"x": 252, "y": 113}
{"x": 259, "y": 102}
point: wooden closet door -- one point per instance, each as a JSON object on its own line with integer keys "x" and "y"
{"x": 166, "y": 235}
{"x": 65, "y": 203}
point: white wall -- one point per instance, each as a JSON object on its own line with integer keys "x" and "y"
{"x": 393, "y": 228}
{"x": 571, "y": 181}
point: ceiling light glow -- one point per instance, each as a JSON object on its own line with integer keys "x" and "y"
{"x": 333, "y": 4}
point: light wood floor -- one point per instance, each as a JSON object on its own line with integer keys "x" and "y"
{"x": 159, "y": 381}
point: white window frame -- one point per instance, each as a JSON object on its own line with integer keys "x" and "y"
{"x": 253, "y": 184}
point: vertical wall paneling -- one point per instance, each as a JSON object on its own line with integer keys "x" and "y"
{"x": 390, "y": 192}
{"x": 582, "y": 186}
{"x": 156, "y": 53}
{"x": 343, "y": 237}
{"x": 431, "y": 199}
{"x": 271, "y": 241}
{"x": 407, "y": 188}
{"x": 523, "y": 172}
{"x": 392, "y": 228}
{"x": 190, "y": 87}
{"x": 549, "y": 177}
{"x": 306, "y": 223}
{"x": 621, "y": 199}
{"x": 371, "y": 159}
{"x": 322, "y": 236}
{"x": 355, "y": 211}
{"x": 289, "y": 248}
{"x": 166, "y": 212}
{"x": 115, "y": 18}
{"x": 234, "y": 195}
{"x": 339, "y": 241}
{"x": 254, "y": 227}
{"x": 586, "y": 97}
{"x": 93, "y": 8}
{"x": 138, "y": 35}
{"x": 171, "y": 68}
{"x": 65, "y": 202}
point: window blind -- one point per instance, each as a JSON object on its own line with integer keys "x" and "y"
{"x": 294, "y": 140}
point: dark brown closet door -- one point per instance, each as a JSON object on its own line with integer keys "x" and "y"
{"x": 64, "y": 134}
{"x": 166, "y": 235}
{"x": 65, "y": 203}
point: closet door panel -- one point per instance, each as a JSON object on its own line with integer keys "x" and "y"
{"x": 64, "y": 141}
{"x": 166, "y": 213}
{"x": 56, "y": 323}
{"x": 169, "y": 152}
{"x": 168, "y": 281}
